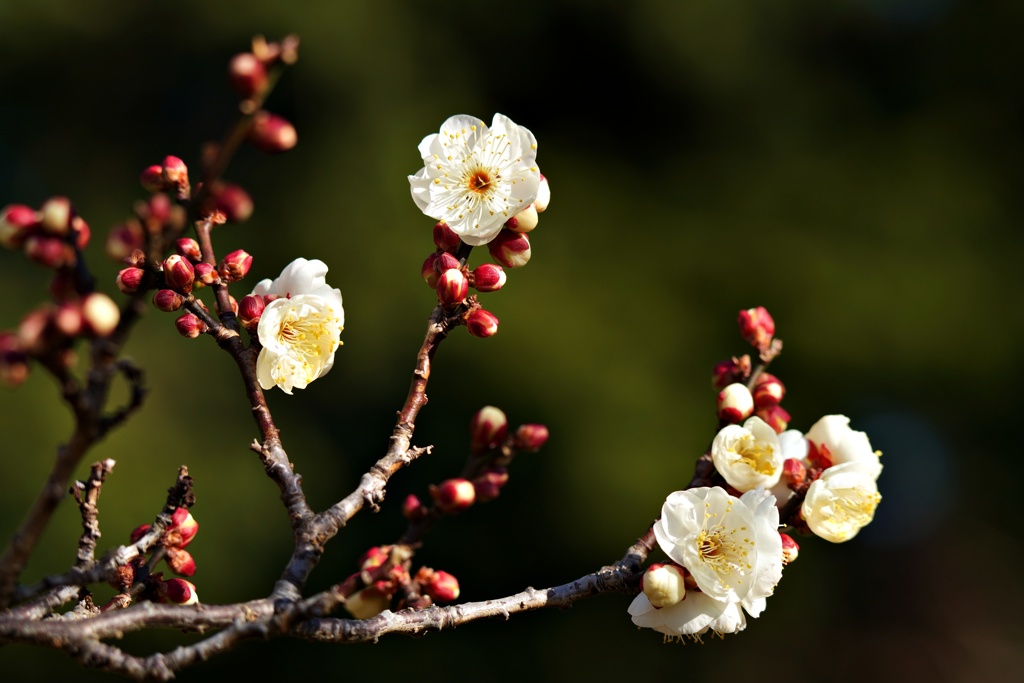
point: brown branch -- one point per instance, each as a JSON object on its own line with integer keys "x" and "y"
{"x": 87, "y": 494}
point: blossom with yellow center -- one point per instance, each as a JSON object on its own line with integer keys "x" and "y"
{"x": 749, "y": 456}
{"x": 299, "y": 330}
{"x": 475, "y": 178}
{"x": 841, "y": 502}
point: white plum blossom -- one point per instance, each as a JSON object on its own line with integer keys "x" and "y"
{"x": 749, "y": 456}
{"x": 732, "y": 549}
{"x": 299, "y": 330}
{"x": 841, "y": 501}
{"x": 475, "y": 178}
{"x": 833, "y": 438}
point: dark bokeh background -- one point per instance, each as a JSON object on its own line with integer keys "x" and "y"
{"x": 854, "y": 165}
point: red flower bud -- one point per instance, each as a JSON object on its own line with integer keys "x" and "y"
{"x": 129, "y": 280}
{"x": 179, "y": 273}
{"x": 81, "y": 231}
{"x": 140, "y": 531}
{"x": 250, "y": 310}
{"x": 531, "y": 437}
{"x": 510, "y": 249}
{"x": 175, "y": 174}
{"x": 730, "y": 371}
{"x": 524, "y": 221}
{"x": 481, "y": 323}
{"x": 375, "y": 557}
{"x": 441, "y": 587}
{"x": 180, "y": 561}
{"x": 55, "y": 215}
{"x": 100, "y": 314}
{"x": 794, "y": 472}
{"x": 757, "y": 327}
{"x": 49, "y": 251}
{"x": 123, "y": 239}
{"x": 453, "y": 495}
{"x": 452, "y": 287}
{"x": 189, "y": 248}
{"x": 769, "y": 391}
{"x": 413, "y": 509}
{"x": 488, "y": 277}
{"x": 235, "y": 266}
{"x": 247, "y": 74}
{"x": 271, "y": 133}
{"x": 190, "y": 326}
{"x": 16, "y": 222}
{"x": 776, "y": 416}
{"x": 179, "y": 592}
{"x": 429, "y": 271}
{"x": 183, "y": 528}
{"x": 446, "y": 261}
{"x": 735, "y": 403}
{"x": 790, "y": 549}
{"x": 234, "y": 202}
{"x": 168, "y": 300}
{"x": 445, "y": 238}
{"x": 152, "y": 178}
{"x": 206, "y": 274}
{"x": 489, "y": 484}
{"x": 487, "y": 429}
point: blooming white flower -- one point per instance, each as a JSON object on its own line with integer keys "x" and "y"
{"x": 841, "y": 501}
{"x": 731, "y": 547}
{"x": 301, "y": 329}
{"x": 832, "y": 436}
{"x": 749, "y": 456}
{"x": 475, "y": 178}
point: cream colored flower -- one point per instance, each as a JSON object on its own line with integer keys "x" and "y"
{"x": 832, "y": 437}
{"x": 841, "y": 502}
{"x": 749, "y": 456}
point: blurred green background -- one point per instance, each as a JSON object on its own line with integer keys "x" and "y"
{"x": 853, "y": 165}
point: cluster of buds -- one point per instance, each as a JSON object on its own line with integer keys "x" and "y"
{"x": 383, "y": 578}
{"x": 511, "y": 247}
{"x": 249, "y": 76}
{"x": 171, "y": 176}
{"x": 51, "y": 236}
{"x": 757, "y": 327}
{"x": 178, "y": 534}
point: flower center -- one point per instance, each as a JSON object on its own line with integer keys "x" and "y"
{"x": 756, "y": 456}
{"x": 854, "y": 507}
{"x": 303, "y": 334}
{"x": 480, "y": 180}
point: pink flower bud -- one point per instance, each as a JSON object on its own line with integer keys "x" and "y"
{"x": 122, "y": 240}
{"x": 768, "y": 391}
{"x": 367, "y": 603}
{"x": 250, "y": 310}
{"x": 16, "y": 222}
{"x": 446, "y": 261}
{"x": 179, "y": 592}
{"x": 129, "y": 280}
{"x": 531, "y": 437}
{"x": 729, "y": 371}
{"x": 175, "y": 174}
{"x": 664, "y": 585}
{"x": 510, "y": 249}
{"x": 68, "y": 319}
{"x": 543, "y": 195}
{"x": 55, "y": 215}
{"x": 489, "y": 484}
{"x": 101, "y": 314}
{"x": 429, "y": 271}
{"x": 183, "y": 528}
{"x": 375, "y": 557}
{"x": 49, "y": 251}
{"x": 179, "y": 273}
{"x": 413, "y": 509}
{"x": 180, "y": 561}
{"x": 445, "y": 238}
{"x": 441, "y": 587}
{"x": 481, "y": 323}
{"x": 488, "y": 277}
{"x": 140, "y": 531}
{"x": 735, "y": 404}
{"x": 189, "y": 248}
{"x": 776, "y": 416}
{"x": 190, "y": 326}
{"x": 247, "y": 74}
{"x": 524, "y": 221}
{"x": 206, "y": 274}
{"x": 234, "y": 202}
{"x": 168, "y": 300}
{"x": 152, "y": 178}
{"x": 271, "y": 133}
{"x": 793, "y": 472}
{"x": 790, "y": 549}
{"x": 235, "y": 266}
{"x": 487, "y": 429}
{"x": 453, "y": 495}
{"x": 757, "y": 327}
{"x": 158, "y": 208}
{"x": 452, "y": 287}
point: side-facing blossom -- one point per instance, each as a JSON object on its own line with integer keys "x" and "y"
{"x": 832, "y": 438}
{"x": 841, "y": 502}
{"x": 731, "y": 548}
{"x": 749, "y": 456}
{"x": 475, "y": 178}
{"x": 300, "y": 329}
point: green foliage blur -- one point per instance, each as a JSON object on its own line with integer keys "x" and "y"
{"x": 853, "y": 165}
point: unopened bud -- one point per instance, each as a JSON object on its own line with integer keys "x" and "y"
{"x": 101, "y": 314}
{"x": 179, "y": 273}
{"x": 49, "y": 251}
{"x": 122, "y": 240}
{"x": 446, "y": 261}
{"x": 168, "y": 300}
{"x": 183, "y": 528}
{"x": 543, "y": 195}
{"x": 511, "y": 249}
{"x": 367, "y": 603}
{"x": 769, "y": 391}
{"x": 175, "y": 174}
{"x": 159, "y": 209}
{"x": 234, "y": 202}
{"x": 272, "y": 133}
{"x": 441, "y": 587}
{"x": 735, "y": 404}
{"x": 250, "y": 310}
{"x": 206, "y": 274}
{"x": 790, "y": 549}
{"x": 179, "y": 592}
{"x": 189, "y": 248}
{"x": 140, "y": 531}
{"x": 793, "y": 472}
{"x": 487, "y": 429}
{"x": 152, "y": 178}
{"x": 235, "y": 266}
{"x": 488, "y": 485}
{"x": 777, "y": 417}
{"x": 452, "y": 287}
{"x": 375, "y": 557}
{"x": 180, "y": 561}
{"x": 729, "y": 371}
{"x": 247, "y": 74}
{"x": 531, "y": 437}
{"x": 445, "y": 238}
{"x": 130, "y": 279}
{"x": 757, "y": 327}
{"x": 68, "y": 319}
{"x": 190, "y": 326}
{"x": 524, "y": 221}
{"x": 453, "y": 495}
{"x": 481, "y": 323}
{"x": 664, "y": 585}
{"x": 429, "y": 271}
{"x": 55, "y": 215}
{"x": 413, "y": 509}
{"x": 16, "y": 221}
{"x": 488, "y": 277}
